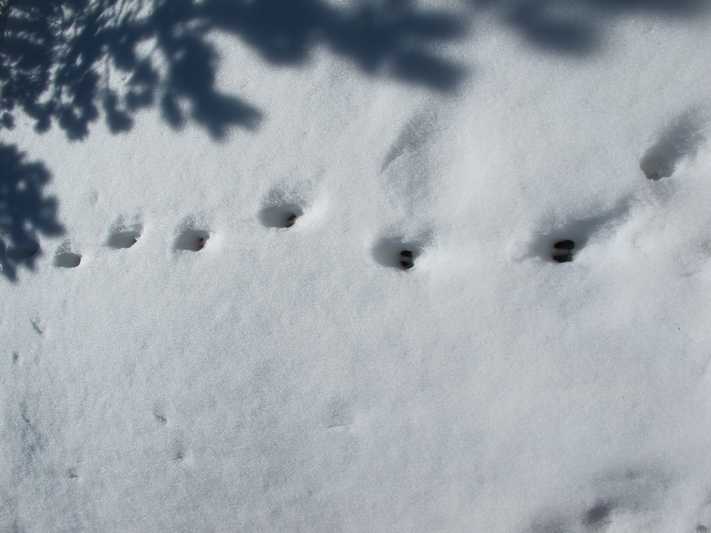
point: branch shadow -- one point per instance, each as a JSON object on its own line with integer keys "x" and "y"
{"x": 66, "y": 62}
{"x": 576, "y": 27}
{"x": 25, "y": 211}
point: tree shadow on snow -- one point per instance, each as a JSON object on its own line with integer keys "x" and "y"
{"x": 65, "y": 62}
{"x": 25, "y": 212}
{"x": 577, "y": 26}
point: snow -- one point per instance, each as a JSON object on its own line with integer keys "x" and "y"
{"x": 176, "y": 358}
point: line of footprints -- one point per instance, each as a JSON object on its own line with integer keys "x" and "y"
{"x": 400, "y": 254}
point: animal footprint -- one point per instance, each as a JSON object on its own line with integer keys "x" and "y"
{"x": 561, "y": 240}
{"x": 396, "y": 252}
{"x": 281, "y": 216}
{"x": 290, "y": 205}
{"x": 191, "y": 238}
{"x": 65, "y": 258}
{"x": 124, "y": 235}
{"x": 281, "y": 209}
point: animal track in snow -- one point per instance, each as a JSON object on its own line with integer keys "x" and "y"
{"x": 124, "y": 235}
{"x": 191, "y": 237}
{"x": 281, "y": 216}
{"x": 123, "y": 239}
{"x": 682, "y": 138}
{"x": 284, "y": 207}
{"x": 65, "y": 258}
{"x": 560, "y": 241}
{"x": 397, "y": 252}
{"x": 556, "y": 246}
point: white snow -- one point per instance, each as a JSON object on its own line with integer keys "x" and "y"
{"x": 295, "y": 379}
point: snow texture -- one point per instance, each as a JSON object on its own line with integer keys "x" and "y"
{"x": 296, "y": 266}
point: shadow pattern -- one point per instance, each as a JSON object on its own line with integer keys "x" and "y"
{"x": 67, "y": 61}
{"x": 576, "y": 27}
{"x": 25, "y": 211}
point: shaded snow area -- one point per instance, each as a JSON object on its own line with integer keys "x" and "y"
{"x": 355, "y": 265}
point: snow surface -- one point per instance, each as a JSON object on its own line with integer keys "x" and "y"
{"x": 176, "y": 361}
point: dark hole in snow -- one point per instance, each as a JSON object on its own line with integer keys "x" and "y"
{"x": 67, "y": 260}
{"x": 563, "y": 258}
{"x": 280, "y": 216}
{"x": 395, "y": 253}
{"x": 566, "y": 244}
{"x": 563, "y": 251}
{"x": 407, "y": 260}
{"x": 192, "y": 240}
